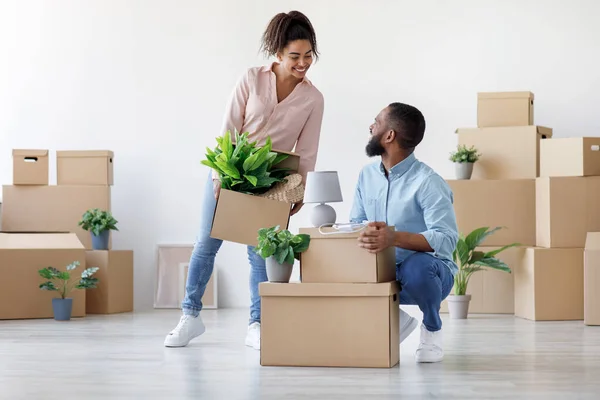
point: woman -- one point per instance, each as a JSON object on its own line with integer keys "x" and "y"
{"x": 277, "y": 101}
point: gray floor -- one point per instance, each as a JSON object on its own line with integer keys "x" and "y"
{"x": 122, "y": 357}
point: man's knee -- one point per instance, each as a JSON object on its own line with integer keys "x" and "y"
{"x": 417, "y": 270}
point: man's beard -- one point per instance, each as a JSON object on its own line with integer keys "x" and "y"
{"x": 374, "y": 147}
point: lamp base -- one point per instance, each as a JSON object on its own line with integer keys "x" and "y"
{"x": 323, "y": 214}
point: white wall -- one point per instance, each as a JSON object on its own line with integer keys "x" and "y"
{"x": 139, "y": 76}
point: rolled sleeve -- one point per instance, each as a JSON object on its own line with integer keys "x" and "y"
{"x": 436, "y": 200}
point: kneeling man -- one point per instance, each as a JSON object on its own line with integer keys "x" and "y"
{"x": 403, "y": 192}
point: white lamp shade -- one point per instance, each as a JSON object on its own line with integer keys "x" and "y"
{"x": 322, "y": 187}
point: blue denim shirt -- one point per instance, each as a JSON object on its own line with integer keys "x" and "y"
{"x": 414, "y": 199}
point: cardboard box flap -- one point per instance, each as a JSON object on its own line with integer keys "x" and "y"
{"x": 328, "y": 290}
{"x": 592, "y": 241}
{"x": 85, "y": 153}
{"x": 504, "y": 95}
{"x": 544, "y": 131}
{"x": 29, "y": 153}
{"x": 333, "y": 233}
{"x": 39, "y": 241}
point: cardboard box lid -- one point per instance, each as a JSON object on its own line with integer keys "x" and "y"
{"x": 329, "y": 289}
{"x": 540, "y": 130}
{"x": 505, "y": 95}
{"x": 332, "y": 233}
{"x": 30, "y": 153}
{"x": 39, "y": 241}
{"x": 84, "y": 153}
{"x": 592, "y": 241}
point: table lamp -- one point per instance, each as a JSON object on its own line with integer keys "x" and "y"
{"x": 322, "y": 187}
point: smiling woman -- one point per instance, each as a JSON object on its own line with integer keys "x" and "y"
{"x": 277, "y": 101}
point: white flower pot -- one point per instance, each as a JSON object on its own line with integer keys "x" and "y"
{"x": 280, "y": 273}
{"x": 458, "y": 306}
{"x": 463, "y": 170}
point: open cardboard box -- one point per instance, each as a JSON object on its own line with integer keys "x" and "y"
{"x": 238, "y": 217}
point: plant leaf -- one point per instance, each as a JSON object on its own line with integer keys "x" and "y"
{"x": 494, "y": 263}
{"x": 476, "y": 237}
{"x": 501, "y": 249}
{"x": 476, "y": 256}
{"x": 462, "y": 251}
{"x": 252, "y": 179}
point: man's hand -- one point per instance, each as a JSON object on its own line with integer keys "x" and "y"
{"x": 216, "y": 188}
{"x": 376, "y": 237}
{"x": 296, "y": 207}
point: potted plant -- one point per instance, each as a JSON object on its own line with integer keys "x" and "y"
{"x": 245, "y": 167}
{"x": 470, "y": 261}
{"x": 63, "y": 306}
{"x": 279, "y": 249}
{"x": 99, "y": 223}
{"x": 464, "y": 158}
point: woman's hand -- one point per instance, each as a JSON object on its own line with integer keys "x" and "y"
{"x": 216, "y": 188}
{"x": 296, "y": 207}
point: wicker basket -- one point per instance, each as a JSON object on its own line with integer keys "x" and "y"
{"x": 291, "y": 191}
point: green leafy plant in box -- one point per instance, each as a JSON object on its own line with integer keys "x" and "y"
{"x": 245, "y": 167}
{"x": 470, "y": 261}
{"x": 282, "y": 245}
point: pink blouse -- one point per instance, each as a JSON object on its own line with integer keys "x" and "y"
{"x": 296, "y": 121}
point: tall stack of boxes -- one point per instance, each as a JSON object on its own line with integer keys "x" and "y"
{"x": 40, "y": 228}
{"x": 543, "y": 191}
{"x": 343, "y": 313}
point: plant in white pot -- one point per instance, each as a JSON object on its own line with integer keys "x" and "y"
{"x": 59, "y": 281}
{"x": 279, "y": 249}
{"x": 470, "y": 261}
{"x": 464, "y": 158}
{"x": 99, "y": 223}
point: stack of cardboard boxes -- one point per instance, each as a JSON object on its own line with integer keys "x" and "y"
{"x": 40, "y": 229}
{"x": 343, "y": 313}
{"x": 541, "y": 190}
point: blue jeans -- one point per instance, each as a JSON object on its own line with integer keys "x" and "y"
{"x": 426, "y": 282}
{"x": 202, "y": 263}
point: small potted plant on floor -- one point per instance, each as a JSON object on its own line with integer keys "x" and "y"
{"x": 99, "y": 223}
{"x": 470, "y": 261}
{"x": 59, "y": 281}
{"x": 464, "y": 158}
{"x": 279, "y": 249}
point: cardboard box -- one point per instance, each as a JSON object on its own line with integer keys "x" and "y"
{"x": 549, "y": 284}
{"x": 51, "y": 208}
{"x": 504, "y": 109}
{"x": 238, "y": 216}
{"x": 333, "y": 325}
{"x": 336, "y": 258}
{"x": 114, "y": 292}
{"x": 22, "y": 255}
{"x": 508, "y": 203}
{"x": 591, "y": 279}
{"x": 492, "y": 291}
{"x": 30, "y": 167}
{"x": 506, "y": 153}
{"x": 84, "y": 167}
{"x": 566, "y": 210}
{"x": 578, "y": 156}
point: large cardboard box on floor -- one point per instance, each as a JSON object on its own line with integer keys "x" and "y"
{"x": 579, "y": 156}
{"x": 492, "y": 291}
{"x": 330, "y": 324}
{"x": 51, "y": 208}
{"x": 22, "y": 255}
{"x": 508, "y": 203}
{"x": 549, "y": 284}
{"x": 504, "y": 109}
{"x": 238, "y": 216}
{"x": 591, "y": 279}
{"x": 114, "y": 292}
{"x": 506, "y": 152}
{"x": 335, "y": 257}
{"x": 567, "y": 208}
{"x": 84, "y": 167}
{"x": 30, "y": 167}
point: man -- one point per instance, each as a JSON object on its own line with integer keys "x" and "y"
{"x": 403, "y": 192}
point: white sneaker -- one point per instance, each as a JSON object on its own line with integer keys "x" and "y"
{"x": 253, "y": 336}
{"x": 430, "y": 348}
{"x": 188, "y": 328}
{"x": 407, "y": 325}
